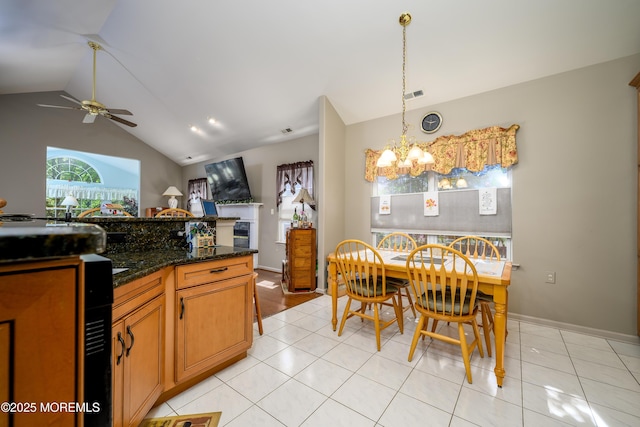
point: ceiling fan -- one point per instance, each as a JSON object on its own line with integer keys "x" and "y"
{"x": 93, "y": 108}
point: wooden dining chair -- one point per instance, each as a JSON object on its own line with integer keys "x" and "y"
{"x": 444, "y": 284}
{"x": 96, "y": 212}
{"x": 479, "y": 248}
{"x": 399, "y": 242}
{"x": 173, "y": 212}
{"x": 361, "y": 269}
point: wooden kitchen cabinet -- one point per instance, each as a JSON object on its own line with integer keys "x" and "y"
{"x": 300, "y": 265}
{"x": 41, "y": 340}
{"x": 138, "y": 348}
{"x": 213, "y": 314}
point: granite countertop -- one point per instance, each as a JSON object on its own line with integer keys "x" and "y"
{"x": 138, "y": 264}
{"x": 19, "y": 242}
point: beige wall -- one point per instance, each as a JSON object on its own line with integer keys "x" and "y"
{"x": 26, "y": 130}
{"x": 261, "y": 164}
{"x": 574, "y": 189}
{"x": 332, "y": 184}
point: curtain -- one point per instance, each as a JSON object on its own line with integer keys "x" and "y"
{"x": 473, "y": 150}
{"x": 198, "y": 190}
{"x": 294, "y": 173}
{"x": 92, "y": 191}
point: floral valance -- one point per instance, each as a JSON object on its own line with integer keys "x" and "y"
{"x": 473, "y": 150}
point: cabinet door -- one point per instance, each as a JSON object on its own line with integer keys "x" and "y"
{"x": 40, "y": 340}
{"x": 118, "y": 347}
{"x": 213, "y": 323}
{"x": 138, "y": 362}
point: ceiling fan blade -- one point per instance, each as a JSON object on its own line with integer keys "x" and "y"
{"x": 58, "y": 106}
{"x": 116, "y": 111}
{"x": 89, "y": 118}
{"x": 119, "y": 120}
{"x": 68, "y": 98}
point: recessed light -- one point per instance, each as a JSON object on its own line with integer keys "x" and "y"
{"x": 194, "y": 128}
{"x": 212, "y": 121}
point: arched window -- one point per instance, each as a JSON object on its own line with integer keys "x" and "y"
{"x": 91, "y": 179}
{"x": 70, "y": 169}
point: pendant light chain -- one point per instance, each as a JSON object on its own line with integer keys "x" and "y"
{"x": 404, "y": 76}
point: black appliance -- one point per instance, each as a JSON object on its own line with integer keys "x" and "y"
{"x": 241, "y": 234}
{"x": 228, "y": 181}
{"x": 98, "y": 300}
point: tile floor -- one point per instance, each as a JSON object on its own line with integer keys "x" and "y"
{"x": 300, "y": 373}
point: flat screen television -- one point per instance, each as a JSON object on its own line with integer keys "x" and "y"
{"x": 228, "y": 181}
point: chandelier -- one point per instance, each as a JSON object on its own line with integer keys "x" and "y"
{"x": 405, "y": 152}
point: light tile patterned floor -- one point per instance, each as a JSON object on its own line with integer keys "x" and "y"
{"x": 300, "y": 373}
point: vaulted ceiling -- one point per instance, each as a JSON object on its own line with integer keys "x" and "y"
{"x": 258, "y": 67}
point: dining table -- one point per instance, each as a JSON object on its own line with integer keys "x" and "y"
{"x": 494, "y": 278}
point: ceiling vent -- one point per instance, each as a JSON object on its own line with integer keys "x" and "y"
{"x": 286, "y": 130}
{"x": 412, "y": 95}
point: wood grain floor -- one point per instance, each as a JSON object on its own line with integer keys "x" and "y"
{"x": 274, "y": 300}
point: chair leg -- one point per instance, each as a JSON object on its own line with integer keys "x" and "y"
{"x": 376, "y": 321}
{"x": 399, "y": 313}
{"x": 344, "y": 316}
{"x": 416, "y": 336}
{"x": 476, "y": 333}
{"x": 413, "y": 309}
{"x": 465, "y": 352}
{"x": 257, "y": 303}
{"x": 487, "y": 325}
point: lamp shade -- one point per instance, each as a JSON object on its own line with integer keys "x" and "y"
{"x": 69, "y": 201}
{"x": 304, "y": 197}
{"x": 172, "y": 191}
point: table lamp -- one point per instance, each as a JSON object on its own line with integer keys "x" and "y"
{"x": 173, "y": 192}
{"x": 302, "y": 198}
{"x": 68, "y": 202}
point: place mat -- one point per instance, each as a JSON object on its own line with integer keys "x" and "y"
{"x": 210, "y": 419}
{"x": 267, "y": 284}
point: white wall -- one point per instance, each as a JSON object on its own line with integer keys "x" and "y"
{"x": 574, "y": 188}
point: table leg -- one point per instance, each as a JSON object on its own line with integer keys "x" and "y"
{"x": 500, "y": 328}
{"x": 333, "y": 288}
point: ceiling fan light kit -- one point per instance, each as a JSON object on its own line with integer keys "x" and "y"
{"x": 92, "y": 107}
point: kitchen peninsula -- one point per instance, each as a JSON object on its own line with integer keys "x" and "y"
{"x": 178, "y": 316}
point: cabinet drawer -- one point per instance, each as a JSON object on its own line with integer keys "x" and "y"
{"x": 302, "y": 239}
{"x": 302, "y": 262}
{"x": 133, "y": 295}
{"x": 205, "y": 272}
{"x": 303, "y": 251}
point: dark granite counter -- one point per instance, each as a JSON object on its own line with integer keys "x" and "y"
{"x": 19, "y": 242}
{"x": 142, "y": 263}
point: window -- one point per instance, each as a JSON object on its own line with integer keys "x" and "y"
{"x": 459, "y": 179}
{"x": 287, "y": 208}
{"x": 290, "y": 179}
{"x": 91, "y": 179}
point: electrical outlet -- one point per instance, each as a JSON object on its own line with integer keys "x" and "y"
{"x": 551, "y": 277}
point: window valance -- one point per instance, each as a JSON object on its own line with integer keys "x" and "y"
{"x": 472, "y": 150}
{"x": 294, "y": 173}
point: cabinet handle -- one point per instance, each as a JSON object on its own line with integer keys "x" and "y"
{"x": 218, "y": 270}
{"x": 181, "y": 308}
{"x": 132, "y": 339}
{"x": 122, "y": 346}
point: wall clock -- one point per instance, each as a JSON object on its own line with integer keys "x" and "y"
{"x": 431, "y": 122}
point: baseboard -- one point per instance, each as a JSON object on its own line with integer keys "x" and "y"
{"x": 263, "y": 267}
{"x": 634, "y": 339}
